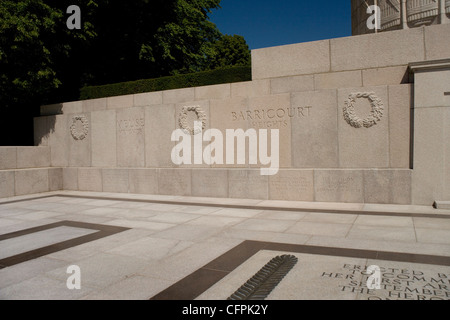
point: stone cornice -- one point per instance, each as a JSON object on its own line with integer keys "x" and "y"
{"x": 430, "y": 65}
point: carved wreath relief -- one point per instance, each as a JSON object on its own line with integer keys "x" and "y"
{"x": 375, "y": 115}
{"x": 201, "y": 116}
{"x": 79, "y": 128}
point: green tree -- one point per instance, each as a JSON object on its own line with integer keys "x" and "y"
{"x": 42, "y": 61}
{"x": 229, "y": 51}
{"x": 26, "y": 67}
{"x": 35, "y": 50}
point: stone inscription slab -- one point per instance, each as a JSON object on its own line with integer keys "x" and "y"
{"x": 131, "y": 137}
{"x": 292, "y": 185}
{"x": 324, "y": 277}
{"x": 271, "y": 117}
{"x": 399, "y": 281}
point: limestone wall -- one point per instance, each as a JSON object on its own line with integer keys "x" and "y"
{"x": 27, "y": 170}
{"x": 123, "y": 144}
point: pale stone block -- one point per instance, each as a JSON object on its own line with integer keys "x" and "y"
{"x": 143, "y": 181}
{"x": 210, "y": 183}
{"x": 160, "y": 124}
{"x": 429, "y": 156}
{"x": 335, "y": 80}
{"x": 72, "y": 107}
{"x": 253, "y": 88}
{"x": 292, "y": 185}
{"x": 273, "y": 112}
{"x": 400, "y": 105}
{"x": 385, "y": 76}
{"x": 291, "y": 60}
{"x": 148, "y": 99}
{"x": 79, "y": 146}
{"x": 104, "y": 138}
{"x": 437, "y": 39}
{"x": 292, "y": 84}
{"x": 31, "y": 181}
{"x": 218, "y": 91}
{"x": 430, "y": 88}
{"x": 339, "y": 186}
{"x": 387, "y": 186}
{"x": 62, "y": 108}
{"x": 191, "y": 116}
{"x": 442, "y": 205}
{"x": 41, "y": 131}
{"x": 363, "y": 147}
{"x": 131, "y": 137}
{"x": 90, "y": 179}
{"x": 120, "y": 102}
{"x": 7, "y": 184}
{"x": 58, "y": 140}
{"x": 8, "y": 158}
{"x": 225, "y": 114}
{"x": 176, "y": 182}
{"x": 94, "y": 105}
{"x": 446, "y": 195}
{"x": 52, "y": 109}
{"x": 315, "y": 130}
{"x": 115, "y": 180}
{"x": 178, "y": 95}
{"x": 383, "y": 49}
{"x": 70, "y": 179}
{"x": 33, "y": 157}
{"x": 55, "y": 179}
{"x": 248, "y": 184}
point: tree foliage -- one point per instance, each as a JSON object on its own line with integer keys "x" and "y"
{"x": 42, "y": 61}
{"x": 229, "y": 51}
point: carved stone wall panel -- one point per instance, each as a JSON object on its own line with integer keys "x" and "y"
{"x": 79, "y": 141}
{"x": 131, "y": 137}
{"x": 390, "y": 14}
{"x": 422, "y": 12}
{"x": 364, "y": 129}
{"x": 447, "y": 6}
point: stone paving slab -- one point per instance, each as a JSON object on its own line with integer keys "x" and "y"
{"x": 171, "y": 238}
{"x": 321, "y": 277}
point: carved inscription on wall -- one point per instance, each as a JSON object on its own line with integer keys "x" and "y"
{"x": 271, "y": 117}
{"x": 131, "y": 126}
{"x": 131, "y": 137}
{"x": 338, "y": 184}
{"x": 292, "y": 185}
{"x": 289, "y": 184}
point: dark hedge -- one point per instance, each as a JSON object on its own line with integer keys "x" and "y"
{"x": 205, "y": 78}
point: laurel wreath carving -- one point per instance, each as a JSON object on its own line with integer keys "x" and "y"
{"x": 201, "y": 116}
{"x": 265, "y": 280}
{"x": 375, "y": 115}
{"x": 78, "y": 134}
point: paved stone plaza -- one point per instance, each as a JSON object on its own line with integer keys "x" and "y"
{"x": 168, "y": 247}
{"x": 359, "y": 142}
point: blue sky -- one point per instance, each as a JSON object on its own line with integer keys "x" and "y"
{"x": 268, "y": 23}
